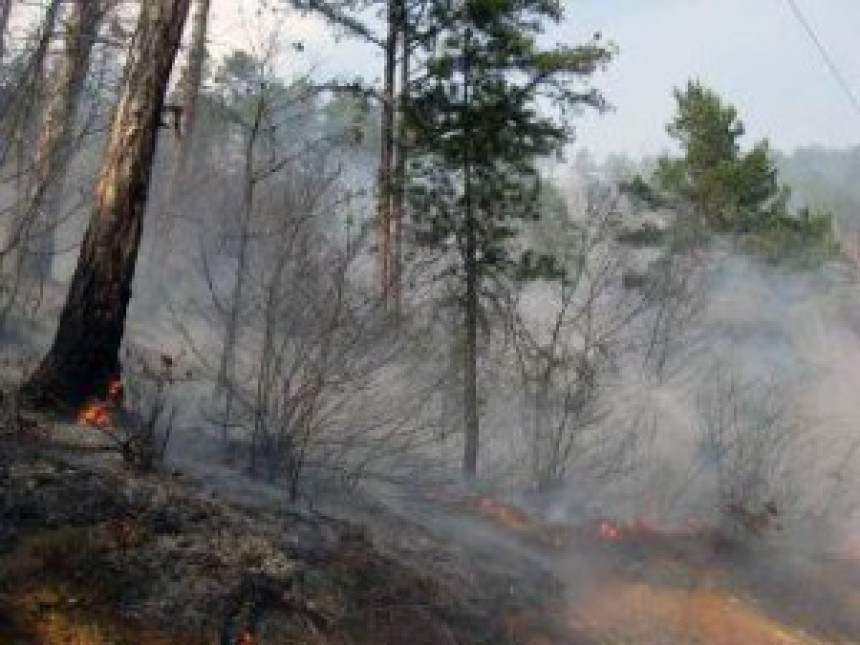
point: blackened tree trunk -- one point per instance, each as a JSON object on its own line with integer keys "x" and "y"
{"x": 85, "y": 352}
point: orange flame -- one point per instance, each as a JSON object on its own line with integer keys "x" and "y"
{"x": 95, "y": 414}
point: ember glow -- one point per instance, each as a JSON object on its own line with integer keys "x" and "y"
{"x": 95, "y": 414}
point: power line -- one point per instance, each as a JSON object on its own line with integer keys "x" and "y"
{"x": 828, "y": 59}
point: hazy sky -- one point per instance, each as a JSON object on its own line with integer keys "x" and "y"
{"x": 754, "y": 52}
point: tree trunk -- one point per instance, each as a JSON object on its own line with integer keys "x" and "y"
{"x": 470, "y": 304}
{"x": 386, "y": 157}
{"x": 5, "y": 10}
{"x": 226, "y": 379}
{"x": 54, "y": 146}
{"x": 193, "y": 81}
{"x": 85, "y": 352}
{"x": 402, "y": 150}
{"x": 470, "y": 356}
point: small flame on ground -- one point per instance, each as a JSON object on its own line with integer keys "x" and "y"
{"x": 95, "y": 414}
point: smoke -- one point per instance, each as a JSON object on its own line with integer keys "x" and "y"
{"x": 758, "y": 405}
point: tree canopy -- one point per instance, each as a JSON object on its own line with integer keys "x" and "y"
{"x": 725, "y": 188}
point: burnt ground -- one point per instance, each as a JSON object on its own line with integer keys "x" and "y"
{"x": 92, "y": 554}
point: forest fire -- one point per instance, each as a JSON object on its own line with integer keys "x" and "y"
{"x": 97, "y": 413}
{"x": 603, "y": 530}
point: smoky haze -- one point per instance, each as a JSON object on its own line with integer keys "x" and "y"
{"x": 609, "y": 373}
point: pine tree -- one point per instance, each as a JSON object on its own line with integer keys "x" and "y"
{"x": 716, "y": 186}
{"x": 84, "y": 356}
{"x": 478, "y": 132}
{"x": 727, "y": 188}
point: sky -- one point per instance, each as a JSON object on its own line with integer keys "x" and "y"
{"x": 753, "y": 52}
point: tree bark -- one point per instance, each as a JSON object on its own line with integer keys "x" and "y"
{"x": 5, "y": 10}
{"x": 54, "y": 146}
{"x": 401, "y": 152}
{"x": 470, "y": 356}
{"x": 386, "y": 158}
{"x": 470, "y": 304}
{"x": 226, "y": 380}
{"x": 193, "y": 81}
{"x": 85, "y": 352}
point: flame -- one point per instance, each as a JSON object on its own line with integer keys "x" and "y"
{"x": 95, "y": 414}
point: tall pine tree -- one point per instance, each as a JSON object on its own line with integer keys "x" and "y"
{"x": 491, "y": 104}
{"x": 85, "y": 353}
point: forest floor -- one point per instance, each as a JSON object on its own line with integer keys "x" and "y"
{"x": 93, "y": 554}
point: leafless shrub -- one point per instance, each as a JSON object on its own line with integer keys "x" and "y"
{"x": 144, "y": 418}
{"x": 304, "y": 357}
{"x": 751, "y": 443}
{"x": 675, "y": 297}
{"x": 567, "y": 349}
{"x": 313, "y": 384}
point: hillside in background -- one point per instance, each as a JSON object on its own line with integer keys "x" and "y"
{"x": 828, "y": 179}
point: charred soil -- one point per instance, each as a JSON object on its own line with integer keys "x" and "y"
{"x": 94, "y": 554}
